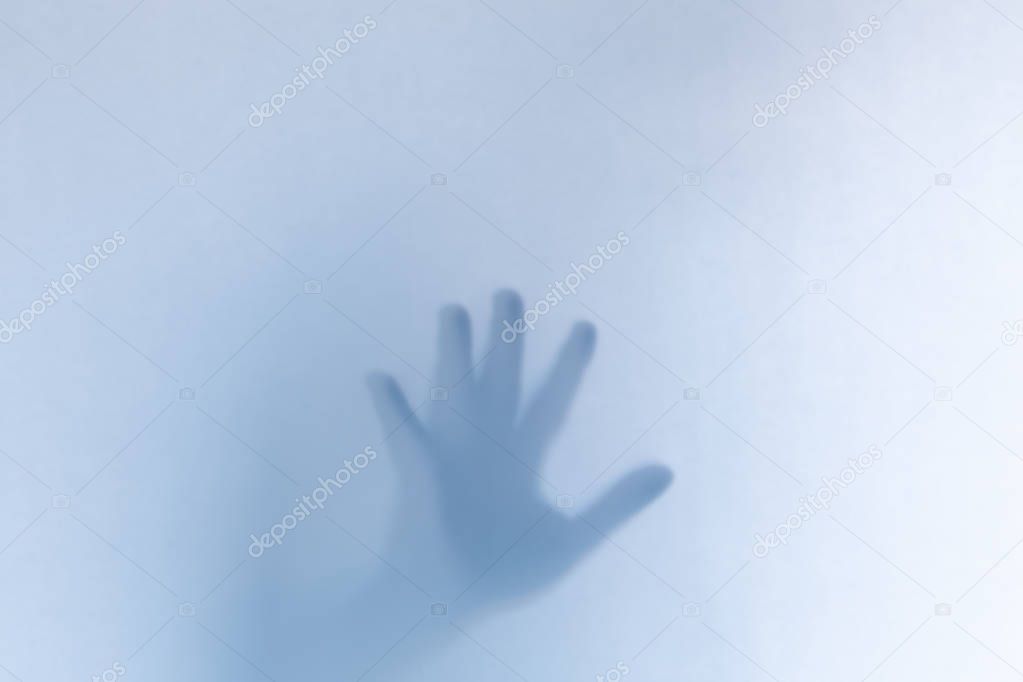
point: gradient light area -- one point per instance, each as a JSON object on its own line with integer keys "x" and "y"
{"x": 775, "y": 293}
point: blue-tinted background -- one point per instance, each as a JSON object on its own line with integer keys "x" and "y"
{"x": 846, "y": 275}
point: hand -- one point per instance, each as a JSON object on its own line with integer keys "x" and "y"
{"x": 469, "y": 468}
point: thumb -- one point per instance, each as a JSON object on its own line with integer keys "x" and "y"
{"x": 392, "y": 407}
{"x": 628, "y": 496}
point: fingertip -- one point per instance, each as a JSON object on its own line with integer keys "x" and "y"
{"x": 584, "y": 335}
{"x": 647, "y": 483}
{"x": 452, "y": 313}
{"x": 379, "y": 382}
{"x": 629, "y": 495}
{"x": 508, "y": 302}
{"x": 506, "y": 294}
{"x": 655, "y": 479}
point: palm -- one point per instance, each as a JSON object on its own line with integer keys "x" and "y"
{"x": 469, "y": 467}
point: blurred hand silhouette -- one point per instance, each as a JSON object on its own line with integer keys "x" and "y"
{"x": 468, "y": 467}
